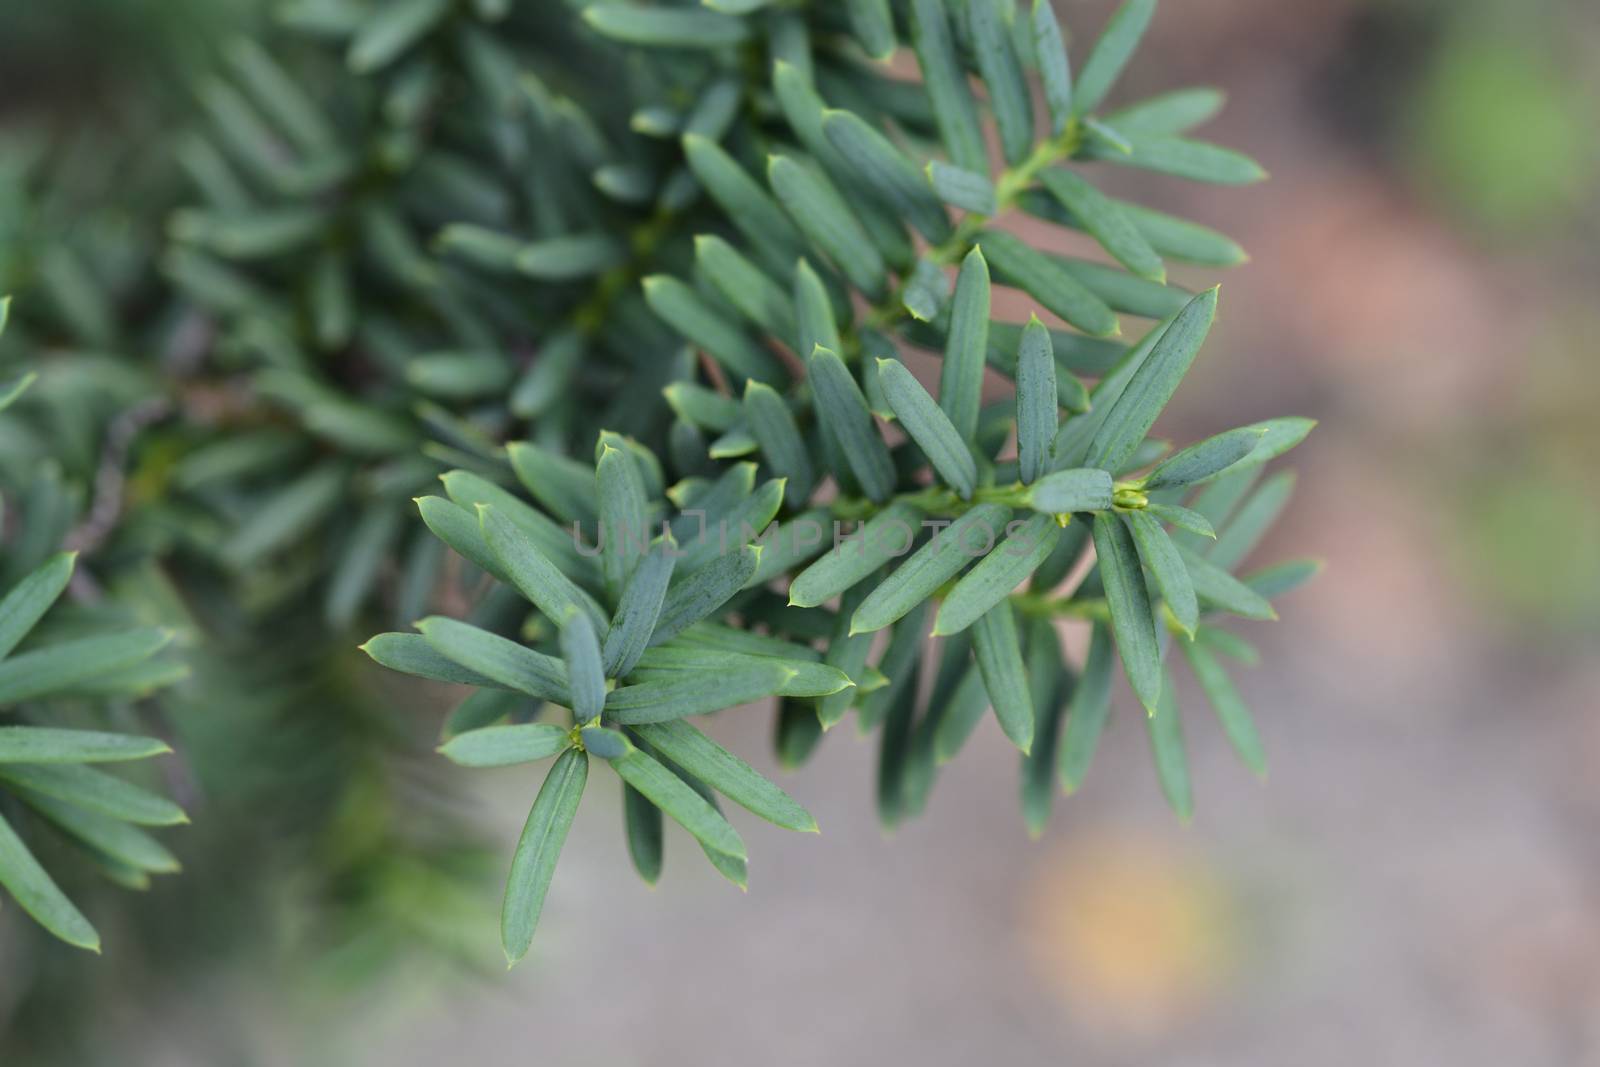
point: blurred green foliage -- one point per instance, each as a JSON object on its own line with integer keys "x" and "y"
{"x": 1504, "y": 123}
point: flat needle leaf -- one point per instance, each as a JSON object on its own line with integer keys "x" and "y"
{"x": 533, "y": 865}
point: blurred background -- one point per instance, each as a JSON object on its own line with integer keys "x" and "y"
{"x": 1418, "y": 880}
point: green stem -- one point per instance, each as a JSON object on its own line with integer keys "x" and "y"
{"x": 1011, "y": 183}
{"x": 1043, "y": 605}
{"x": 933, "y": 500}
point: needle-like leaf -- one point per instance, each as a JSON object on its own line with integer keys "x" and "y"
{"x": 72, "y": 665}
{"x": 1275, "y": 581}
{"x": 1166, "y": 744}
{"x": 530, "y": 571}
{"x": 533, "y": 865}
{"x": 586, "y": 676}
{"x": 967, "y": 703}
{"x": 503, "y": 746}
{"x": 929, "y": 427}
{"x": 1129, "y": 600}
{"x": 656, "y": 27}
{"x": 1077, "y": 490}
{"x": 677, "y": 697}
{"x": 1152, "y": 385}
{"x": 826, "y": 219}
{"x": 1183, "y": 158}
{"x": 412, "y": 654}
{"x": 683, "y": 309}
{"x": 774, "y": 426}
{"x": 1055, "y": 73}
{"x": 391, "y": 30}
{"x": 1009, "y": 98}
{"x": 638, "y": 609}
{"x": 1229, "y": 706}
{"x": 1106, "y": 222}
{"x": 1037, "y": 401}
{"x": 114, "y": 838}
{"x": 726, "y": 773}
{"x": 38, "y": 895}
{"x": 1184, "y": 519}
{"x": 95, "y": 790}
{"x": 506, "y": 662}
{"x": 999, "y": 653}
{"x": 970, "y": 537}
{"x": 963, "y": 189}
{"x": 844, "y": 414}
{"x": 813, "y": 312}
{"x": 873, "y": 25}
{"x": 1088, "y": 710}
{"x": 1219, "y": 590}
{"x": 961, "y": 377}
{"x": 1239, "y": 537}
{"x": 30, "y": 598}
{"x": 702, "y": 592}
{"x": 1049, "y": 683}
{"x": 1168, "y": 114}
{"x": 1204, "y": 460}
{"x": 744, "y": 202}
{"x": 1166, "y": 567}
{"x": 643, "y": 826}
{"x": 954, "y": 109}
{"x": 42, "y": 744}
{"x": 757, "y": 297}
{"x": 1044, "y": 279}
{"x": 1111, "y": 52}
{"x": 886, "y": 170}
{"x": 997, "y": 574}
{"x": 668, "y": 792}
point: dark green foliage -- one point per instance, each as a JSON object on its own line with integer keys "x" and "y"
{"x": 632, "y": 284}
{"x": 46, "y": 769}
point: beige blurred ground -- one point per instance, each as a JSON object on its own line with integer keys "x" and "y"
{"x": 1418, "y": 882}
